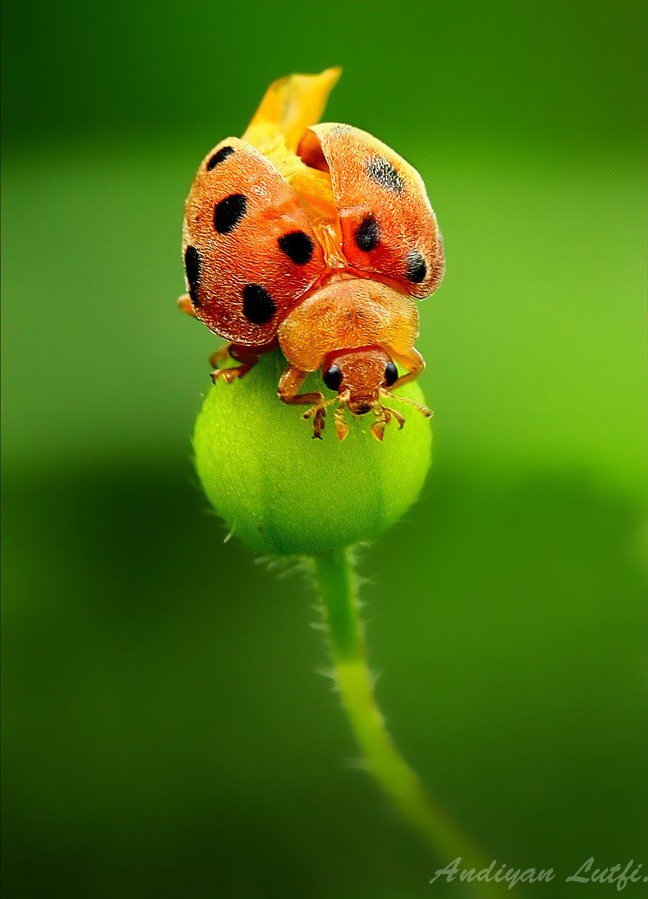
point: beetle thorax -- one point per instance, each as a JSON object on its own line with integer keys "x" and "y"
{"x": 347, "y": 315}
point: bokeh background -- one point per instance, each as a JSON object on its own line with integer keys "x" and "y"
{"x": 166, "y": 733}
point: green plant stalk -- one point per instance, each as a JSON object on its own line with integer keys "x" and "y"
{"x": 338, "y": 590}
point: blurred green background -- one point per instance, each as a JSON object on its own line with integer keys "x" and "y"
{"x": 165, "y": 731}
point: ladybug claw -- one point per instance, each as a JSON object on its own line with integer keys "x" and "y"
{"x": 378, "y": 430}
{"x": 318, "y": 414}
{"x": 227, "y": 374}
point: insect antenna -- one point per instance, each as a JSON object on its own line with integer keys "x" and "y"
{"x": 404, "y": 399}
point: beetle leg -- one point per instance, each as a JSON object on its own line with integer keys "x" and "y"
{"x": 288, "y": 388}
{"x": 185, "y": 305}
{"x": 414, "y": 362}
{"x": 219, "y": 356}
{"x": 318, "y": 414}
{"x": 247, "y": 356}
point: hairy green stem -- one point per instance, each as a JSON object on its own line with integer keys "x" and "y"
{"x": 337, "y": 584}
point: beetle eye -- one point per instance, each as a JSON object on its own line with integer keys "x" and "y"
{"x": 332, "y": 377}
{"x": 391, "y": 374}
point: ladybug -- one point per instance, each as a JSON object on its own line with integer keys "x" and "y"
{"x": 317, "y": 239}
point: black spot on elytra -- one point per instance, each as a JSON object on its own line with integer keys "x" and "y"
{"x": 229, "y": 212}
{"x": 192, "y": 268}
{"x": 416, "y": 267}
{"x": 219, "y": 156}
{"x": 258, "y": 305}
{"x": 383, "y": 173}
{"x": 367, "y": 234}
{"x": 297, "y": 246}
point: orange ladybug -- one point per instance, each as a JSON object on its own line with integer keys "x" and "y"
{"x": 314, "y": 238}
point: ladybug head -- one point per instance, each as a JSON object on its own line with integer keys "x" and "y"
{"x": 363, "y": 377}
{"x": 358, "y": 376}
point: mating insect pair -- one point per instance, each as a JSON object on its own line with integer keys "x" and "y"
{"x": 315, "y": 239}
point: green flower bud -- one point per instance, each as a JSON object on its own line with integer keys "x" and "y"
{"x": 283, "y": 492}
